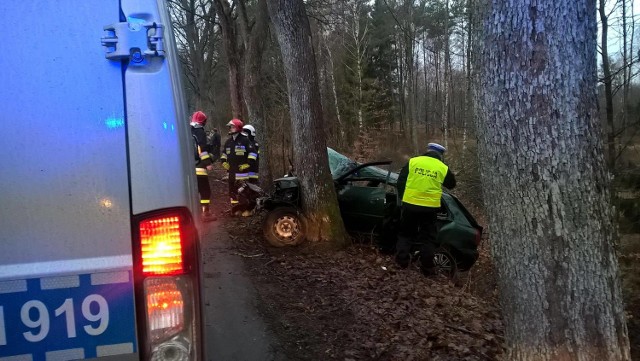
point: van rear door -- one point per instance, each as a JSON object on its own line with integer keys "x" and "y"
{"x": 79, "y": 208}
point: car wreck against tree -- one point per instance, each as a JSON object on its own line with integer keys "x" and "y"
{"x": 370, "y": 207}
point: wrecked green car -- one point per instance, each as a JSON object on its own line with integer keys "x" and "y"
{"x": 370, "y": 207}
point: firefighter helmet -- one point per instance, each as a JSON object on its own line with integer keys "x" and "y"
{"x": 235, "y": 126}
{"x": 199, "y": 117}
{"x": 250, "y": 130}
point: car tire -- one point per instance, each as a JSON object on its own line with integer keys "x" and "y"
{"x": 284, "y": 226}
{"x": 445, "y": 262}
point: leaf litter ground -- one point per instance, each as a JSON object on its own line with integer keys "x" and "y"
{"x": 355, "y": 304}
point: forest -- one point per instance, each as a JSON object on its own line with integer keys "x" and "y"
{"x": 537, "y": 103}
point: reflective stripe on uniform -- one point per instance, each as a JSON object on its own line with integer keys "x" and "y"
{"x": 424, "y": 182}
{"x": 204, "y": 155}
{"x": 253, "y": 156}
{"x": 223, "y": 156}
{"x": 205, "y": 201}
{"x": 241, "y": 176}
{"x": 201, "y": 171}
{"x": 240, "y": 150}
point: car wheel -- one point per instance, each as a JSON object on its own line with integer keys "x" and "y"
{"x": 284, "y": 226}
{"x": 445, "y": 263}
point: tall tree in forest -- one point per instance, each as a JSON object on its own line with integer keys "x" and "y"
{"x": 608, "y": 85}
{"x": 255, "y": 31}
{"x": 545, "y": 182}
{"x": 382, "y": 65}
{"x": 234, "y": 52}
{"x": 356, "y": 46}
{"x": 310, "y": 158}
{"x": 194, "y": 25}
{"x": 446, "y": 105}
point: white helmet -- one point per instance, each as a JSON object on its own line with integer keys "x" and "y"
{"x": 250, "y": 129}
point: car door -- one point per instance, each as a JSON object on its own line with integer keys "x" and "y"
{"x": 363, "y": 198}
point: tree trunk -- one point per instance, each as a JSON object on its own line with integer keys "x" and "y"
{"x": 194, "y": 26}
{"x": 255, "y": 39}
{"x": 446, "y": 105}
{"x": 426, "y": 84}
{"x": 545, "y": 182}
{"x": 311, "y": 162}
{"x": 340, "y": 134}
{"x": 234, "y": 56}
{"x": 625, "y": 65}
{"x": 468, "y": 94}
{"x": 608, "y": 89}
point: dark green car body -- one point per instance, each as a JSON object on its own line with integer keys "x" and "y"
{"x": 371, "y": 208}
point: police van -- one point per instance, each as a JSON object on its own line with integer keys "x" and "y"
{"x": 98, "y": 198}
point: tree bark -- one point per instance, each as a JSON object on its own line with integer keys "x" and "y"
{"x": 311, "y": 163}
{"x": 545, "y": 182}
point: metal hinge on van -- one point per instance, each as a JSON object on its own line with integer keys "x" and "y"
{"x": 133, "y": 40}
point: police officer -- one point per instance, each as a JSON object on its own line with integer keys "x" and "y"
{"x": 238, "y": 155}
{"x": 204, "y": 163}
{"x": 420, "y": 187}
{"x": 254, "y": 170}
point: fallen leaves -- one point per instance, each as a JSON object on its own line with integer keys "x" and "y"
{"x": 356, "y": 304}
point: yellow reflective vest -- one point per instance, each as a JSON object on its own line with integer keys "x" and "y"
{"x": 424, "y": 182}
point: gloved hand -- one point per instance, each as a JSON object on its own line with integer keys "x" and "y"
{"x": 226, "y": 165}
{"x": 243, "y": 166}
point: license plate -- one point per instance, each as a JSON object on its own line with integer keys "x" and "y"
{"x": 68, "y": 317}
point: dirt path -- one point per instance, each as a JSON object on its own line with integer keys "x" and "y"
{"x": 234, "y": 327}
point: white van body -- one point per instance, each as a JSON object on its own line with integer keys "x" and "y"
{"x": 95, "y": 153}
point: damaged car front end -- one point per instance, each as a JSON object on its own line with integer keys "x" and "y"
{"x": 370, "y": 207}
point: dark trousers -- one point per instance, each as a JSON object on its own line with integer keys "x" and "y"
{"x": 233, "y": 189}
{"x": 205, "y": 191}
{"x": 417, "y": 227}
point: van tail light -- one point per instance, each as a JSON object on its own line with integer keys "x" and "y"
{"x": 161, "y": 242}
{"x": 165, "y": 308}
{"x": 167, "y": 286}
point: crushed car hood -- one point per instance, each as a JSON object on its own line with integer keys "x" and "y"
{"x": 340, "y": 165}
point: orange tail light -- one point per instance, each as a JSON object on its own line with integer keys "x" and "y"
{"x": 161, "y": 243}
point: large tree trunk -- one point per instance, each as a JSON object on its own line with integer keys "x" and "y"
{"x": 319, "y": 198}
{"x": 234, "y": 56}
{"x": 545, "y": 182}
{"x": 255, "y": 38}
